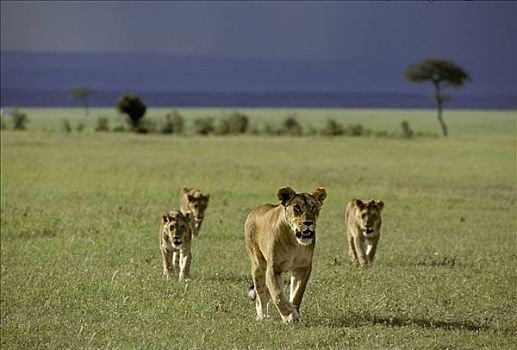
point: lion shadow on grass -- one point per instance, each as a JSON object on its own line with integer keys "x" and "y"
{"x": 359, "y": 320}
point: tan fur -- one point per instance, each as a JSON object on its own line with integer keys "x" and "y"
{"x": 194, "y": 202}
{"x": 363, "y": 223}
{"x": 175, "y": 243}
{"x": 281, "y": 238}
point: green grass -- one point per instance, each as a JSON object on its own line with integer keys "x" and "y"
{"x": 81, "y": 267}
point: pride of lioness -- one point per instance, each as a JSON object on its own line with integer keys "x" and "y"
{"x": 281, "y": 238}
{"x": 363, "y": 226}
{"x": 194, "y": 202}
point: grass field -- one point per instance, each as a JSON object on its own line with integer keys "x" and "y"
{"x": 81, "y": 267}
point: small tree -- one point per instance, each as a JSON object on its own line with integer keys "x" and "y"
{"x": 134, "y": 107}
{"x": 204, "y": 126}
{"x": 238, "y": 123}
{"x": 82, "y": 94}
{"x": 291, "y": 126}
{"x": 333, "y": 128}
{"x": 19, "y": 120}
{"x": 441, "y": 73}
{"x": 174, "y": 124}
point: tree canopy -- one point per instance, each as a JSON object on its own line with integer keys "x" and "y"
{"x": 440, "y": 73}
{"x": 134, "y": 107}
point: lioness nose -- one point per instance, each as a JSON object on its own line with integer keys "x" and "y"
{"x": 308, "y": 226}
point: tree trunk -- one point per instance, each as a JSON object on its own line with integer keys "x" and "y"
{"x": 439, "y": 105}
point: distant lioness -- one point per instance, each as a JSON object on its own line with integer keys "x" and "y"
{"x": 175, "y": 243}
{"x": 194, "y": 202}
{"x": 281, "y": 238}
{"x": 363, "y": 223}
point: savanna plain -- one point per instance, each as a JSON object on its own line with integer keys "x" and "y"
{"x": 80, "y": 212}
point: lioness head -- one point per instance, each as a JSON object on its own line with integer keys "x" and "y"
{"x": 197, "y": 204}
{"x": 368, "y": 216}
{"x": 302, "y": 211}
{"x": 176, "y": 227}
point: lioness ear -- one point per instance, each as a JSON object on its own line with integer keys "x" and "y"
{"x": 285, "y": 194}
{"x": 320, "y": 194}
{"x": 165, "y": 217}
{"x": 358, "y": 203}
{"x": 380, "y": 205}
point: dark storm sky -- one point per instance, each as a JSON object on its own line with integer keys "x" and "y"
{"x": 481, "y": 35}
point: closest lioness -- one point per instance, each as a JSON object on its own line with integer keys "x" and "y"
{"x": 281, "y": 238}
{"x": 363, "y": 226}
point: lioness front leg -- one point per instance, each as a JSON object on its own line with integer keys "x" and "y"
{"x": 360, "y": 251}
{"x": 351, "y": 249}
{"x": 299, "y": 281}
{"x": 168, "y": 269}
{"x": 184, "y": 262}
{"x": 274, "y": 284}
{"x": 372, "y": 248}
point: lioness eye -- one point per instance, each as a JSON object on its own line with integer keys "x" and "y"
{"x": 171, "y": 227}
{"x": 297, "y": 208}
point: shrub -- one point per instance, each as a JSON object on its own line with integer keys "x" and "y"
{"x": 19, "y": 120}
{"x": 67, "y": 127}
{"x": 146, "y": 126}
{"x": 333, "y": 128}
{"x": 238, "y": 123}
{"x": 204, "y": 126}
{"x": 102, "y": 124}
{"x": 79, "y": 127}
{"x": 407, "y": 132}
{"x": 356, "y": 130}
{"x": 224, "y": 127}
{"x": 174, "y": 124}
{"x": 291, "y": 126}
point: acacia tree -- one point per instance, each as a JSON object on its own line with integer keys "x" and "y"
{"x": 441, "y": 73}
{"x": 134, "y": 107}
{"x": 82, "y": 94}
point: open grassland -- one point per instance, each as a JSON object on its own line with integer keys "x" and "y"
{"x": 81, "y": 268}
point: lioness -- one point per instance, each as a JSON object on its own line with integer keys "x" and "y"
{"x": 175, "y": 242}
{"x": 363, "y": 223}
{"x": 194, "y": 202}
{"x": 281, "y": 238}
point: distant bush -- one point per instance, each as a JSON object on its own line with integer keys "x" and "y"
{"x": 356, "y": 130}
{"x": 174, "y": 124}
{"x": 223, "y": 128}
{"x": 19, "y": 120}
{"x": 146, "y": 126}
{"x": 238, "y": 123}
{"x": 79, "y": 127}
{"x": 407, "y": 132}
{"x": 333, "y": 128}
{"x": 204, "y": 126}
{"x": 67, "y": 127}
{"x": 291, "y": 126}
{"x": 102, "y": 124}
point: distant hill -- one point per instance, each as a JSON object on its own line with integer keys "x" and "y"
{"x": 43, "y": 79}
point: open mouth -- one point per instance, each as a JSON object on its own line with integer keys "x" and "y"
{"x": 368, "y": 231}
{"x": 176, "y": 242}
{"x": 304, "y": 236}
